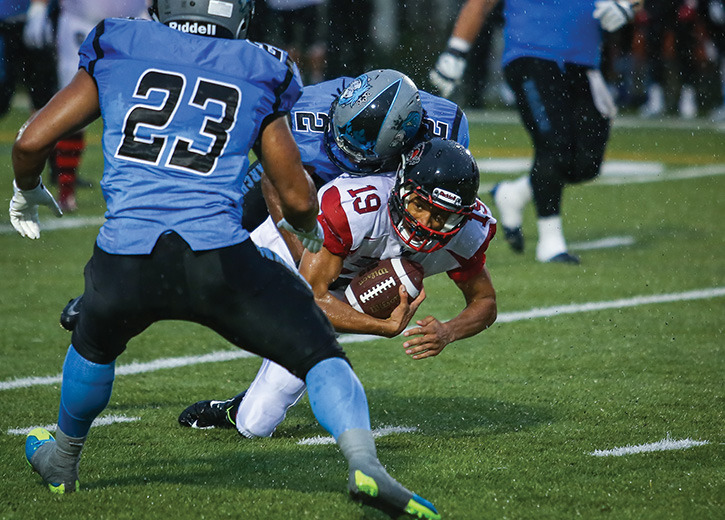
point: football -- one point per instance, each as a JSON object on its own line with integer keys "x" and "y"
{"x": 374, "y": 290}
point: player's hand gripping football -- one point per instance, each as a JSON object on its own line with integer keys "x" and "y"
{"x": 432, "y": 336}
{"x": 404, "y": 312}
{"x": 311, "y": 240}
{"x": 24, "y": 209}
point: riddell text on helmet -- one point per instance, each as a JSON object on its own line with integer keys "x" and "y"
{"x": 194, "y": 27}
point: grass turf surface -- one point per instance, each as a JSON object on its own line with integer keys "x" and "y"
{"x": 505, "y": 422}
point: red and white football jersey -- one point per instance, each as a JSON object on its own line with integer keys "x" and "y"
{"x": 354, "y": 215}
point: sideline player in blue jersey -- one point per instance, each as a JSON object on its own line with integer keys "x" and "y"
{"x": 181, "y": 112}
{"x": 551, "y": 61}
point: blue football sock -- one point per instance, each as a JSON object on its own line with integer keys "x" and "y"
{"x": 337, "y": 397}
{"x": 85, "y": 392}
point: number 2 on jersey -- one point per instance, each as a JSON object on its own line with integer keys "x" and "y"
{"x": 155, "y": 117}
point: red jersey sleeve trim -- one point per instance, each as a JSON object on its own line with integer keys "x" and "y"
{"x": 338, "y": 236}
{"x": 470, "y": 267}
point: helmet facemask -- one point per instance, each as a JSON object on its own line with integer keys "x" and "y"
{"x": 414, "y": 234}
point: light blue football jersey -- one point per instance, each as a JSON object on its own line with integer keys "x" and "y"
{"x": 563, "y": 31}
{"x": 180, "y": 115}
{"x": 311, "y": 114}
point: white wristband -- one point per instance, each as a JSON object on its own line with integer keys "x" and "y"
{"x": 459, "y": 44}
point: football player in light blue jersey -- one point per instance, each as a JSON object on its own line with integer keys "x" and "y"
{"x": 551, "y": 61}
{"x": 183, "y": 102}
{"x": 357, "y": 125}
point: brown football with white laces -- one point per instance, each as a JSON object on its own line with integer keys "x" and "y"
{"x": 374, "y": 290}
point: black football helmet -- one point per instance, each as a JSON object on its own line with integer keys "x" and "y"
{"x": 373, "y": 121}
{"x": 445, "y": 175}
{"x": 219, "y": 18}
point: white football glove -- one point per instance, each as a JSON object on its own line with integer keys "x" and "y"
{"x": 311, "y": 240}
{"x": 613, "y": 14}
{"x": 447, "y": 73}
{"x": 38, "y": 32}
{"x": 24, "y": 209}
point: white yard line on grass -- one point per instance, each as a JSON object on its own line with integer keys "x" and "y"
{"x": 377, "y": 432}
{"x": 545, "y": 312}
{"x": 137, "y": 368}
{"x": 504, "y": 317}
{"x": 603, "y": 243}
{"x": 665, "y": 444}
{"x": 61, "y": 223}
{"x": 101, "y": 421}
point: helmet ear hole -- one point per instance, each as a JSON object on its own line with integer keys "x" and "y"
{"x": 373, "y": 120}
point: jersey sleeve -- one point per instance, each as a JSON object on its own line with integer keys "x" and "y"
{"x": 91, "y": 51}
{"x": 290, "y": 89}
{"x": 335, "y": 223}
{"x": 472, "y": 265}
{"x": 275, "y": 69}
{"x": 461, "y": 132}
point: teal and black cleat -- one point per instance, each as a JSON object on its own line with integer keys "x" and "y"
{"x": 365, "y": 490}
{"x": 40, "y": 440}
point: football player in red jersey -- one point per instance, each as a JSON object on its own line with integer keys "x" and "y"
{"x": 429, "y": 213}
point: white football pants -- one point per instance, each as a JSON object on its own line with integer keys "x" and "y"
{"x": 274, "y": 390}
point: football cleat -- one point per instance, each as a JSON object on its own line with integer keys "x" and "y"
{"x": 365, "y": 490}
{"x": 514, "y": 238}
{"x": 69, "y": 315}
{"x": 37, "y": 442}
{"x": 212, "y": 414}
{"x": 564, "y": 258}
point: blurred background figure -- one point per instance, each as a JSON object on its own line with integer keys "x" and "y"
{"x": 712, "y": 12}
{"x": 482, "y": 79}
{"x": 551, "y": 61}
{"x": 27, "y": 53}
{"x": 298, "y": 27}
{"x": 678, "y": 17}
{"x": 76, "y": 19}
{"x": 350, "y": 49}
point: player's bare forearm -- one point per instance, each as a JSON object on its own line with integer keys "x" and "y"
{"x": 471, "y": 18}
{"x": 480, "y": 311}
{"x": 271, "y": 197}
{"x": 431, "y": 335}
{"x": 320, "y": 270}
{"x": 67, "y": 112}
{"x": 476, "y": 317}
{"x": 280, "y": 158}
{"x": 346, "y": 319}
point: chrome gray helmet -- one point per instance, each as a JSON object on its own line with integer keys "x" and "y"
{"x": 220, "y": 18}
{"x": 373, "y": 121}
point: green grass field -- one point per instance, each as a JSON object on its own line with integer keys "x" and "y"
{"x": 500, "y": 426}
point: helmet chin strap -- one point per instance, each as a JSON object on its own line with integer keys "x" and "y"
{"x": 154, "y": 11}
